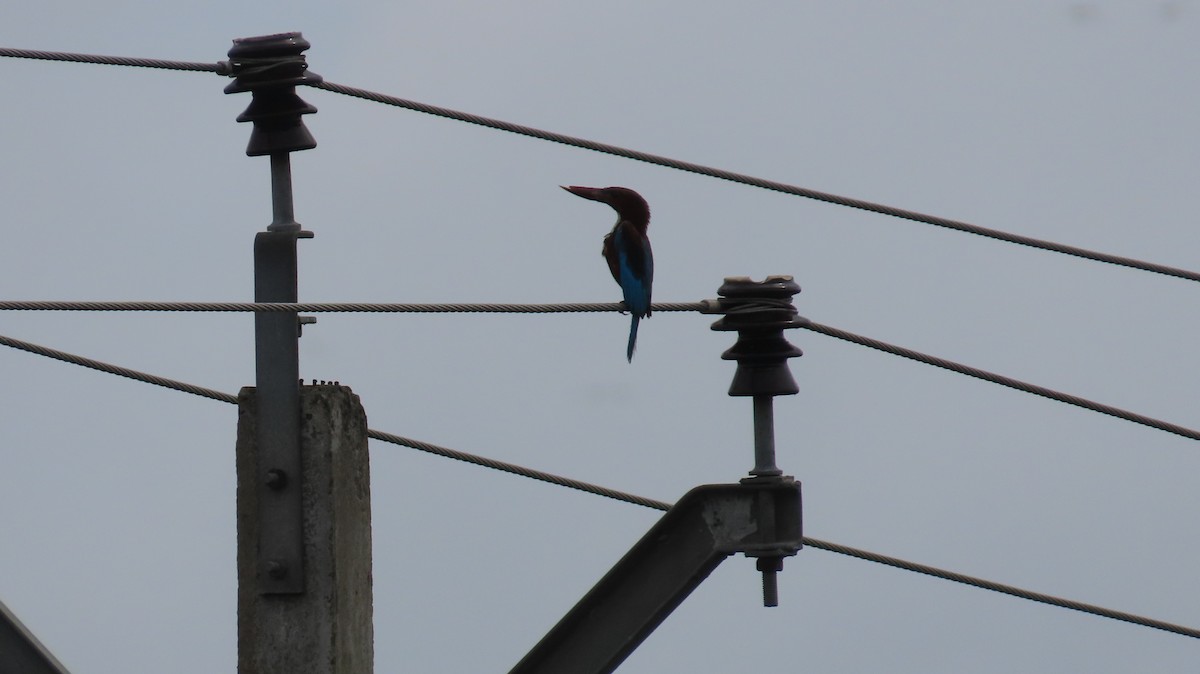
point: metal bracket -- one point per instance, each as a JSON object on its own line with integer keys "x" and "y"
{"x": 21, "y": 651}
{"x": 277, "y": 358}
{"x": 760, "y": 518}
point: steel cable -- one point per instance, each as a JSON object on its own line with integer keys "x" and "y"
{"x": 515, "y": 469}
{"x": 623, "y": 496}
{"x": 752, "y": 181}
{"x": 221, "y": 68}
{"x": 1002, "y": 380}
{"x": 1005, "y": 589}
{"x": 117, "y": 370}
{"x": 705, "y": 306}
{"x": 343, "y": 307}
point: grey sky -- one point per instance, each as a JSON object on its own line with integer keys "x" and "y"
{"x": 1069, "y": 121}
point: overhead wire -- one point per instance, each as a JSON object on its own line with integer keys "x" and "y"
{"x": 101, "y": 366}
{"x": 753, "y": 181}
{"x": 221, "y": 68}
{"x": 1002, "y": 380}
{"x": 704, "y": 306}
{"x": 224, "y": 68}
{"x": 342, "y": 307}
{"x": 598, "y": 490}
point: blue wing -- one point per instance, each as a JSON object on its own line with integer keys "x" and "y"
{"x": 635, "y": 273}
{"x": 635, "y": 267}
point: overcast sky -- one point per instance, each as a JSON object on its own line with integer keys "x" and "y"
{"x": 1074, "y": 122}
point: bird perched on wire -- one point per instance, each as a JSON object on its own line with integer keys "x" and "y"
{"x": 627, "y": 250}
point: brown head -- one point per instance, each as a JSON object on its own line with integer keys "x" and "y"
{"x": 628, "y": 204}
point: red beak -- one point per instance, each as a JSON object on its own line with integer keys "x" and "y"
{"x": 593, "y": 193}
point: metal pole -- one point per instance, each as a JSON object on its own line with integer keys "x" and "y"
{"x": 764, "y": 437}
{"x": 277, "y": 379}
{"x": 281, "y": 194}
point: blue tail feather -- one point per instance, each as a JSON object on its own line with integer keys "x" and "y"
{"x": 632, "y": 338}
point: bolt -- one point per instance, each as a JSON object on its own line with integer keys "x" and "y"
{"x": 276, "y": 479}
{"x": 276, "y": 569}
{"x": 770, "y": 566}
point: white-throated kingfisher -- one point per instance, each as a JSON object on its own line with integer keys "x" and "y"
{"x": 627, "y": 250}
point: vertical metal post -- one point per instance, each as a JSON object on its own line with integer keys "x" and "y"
{"x": 281, "y": 194}
{"x": 270, "y": 67}
{"x": 764, "y": 436}
{"x": 760, "y": 312}
{"x": 277, "y": 379}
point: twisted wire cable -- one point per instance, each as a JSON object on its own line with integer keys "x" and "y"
{"x": 1002, "y": 380}
{"x": 117, "y": 370}
{"x": 221, "y": 68}
{"x": 1005, "y": 589}
{"x": 619, "y": 495}
{"x": 345, "y": 307}
{"x": 224, "y": 68}
{"x": 753, "y": 181}
{"x": 704, "y": 306}
{"x": 819, "y": 544}
{"x": 515, "y": 469}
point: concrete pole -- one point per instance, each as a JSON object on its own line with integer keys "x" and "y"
{"x": 327, "y": 629}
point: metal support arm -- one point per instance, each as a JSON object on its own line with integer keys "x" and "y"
{"x": 707, "y": 525}
{"x": 20, "y": 650}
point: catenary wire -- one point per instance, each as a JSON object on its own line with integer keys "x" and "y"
{"x": 116, "y": 369}
{"x": 623, "y": 496}
{"x": 752, "y": 181}
{"x": 223, "y": 68}
{"x": 343, "y": 307}
{"x": 515, "y": 469}
{"x": 1005, "y": 589}
{"x": 1002, "y": 380}
{"x": 706, "y": 306}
